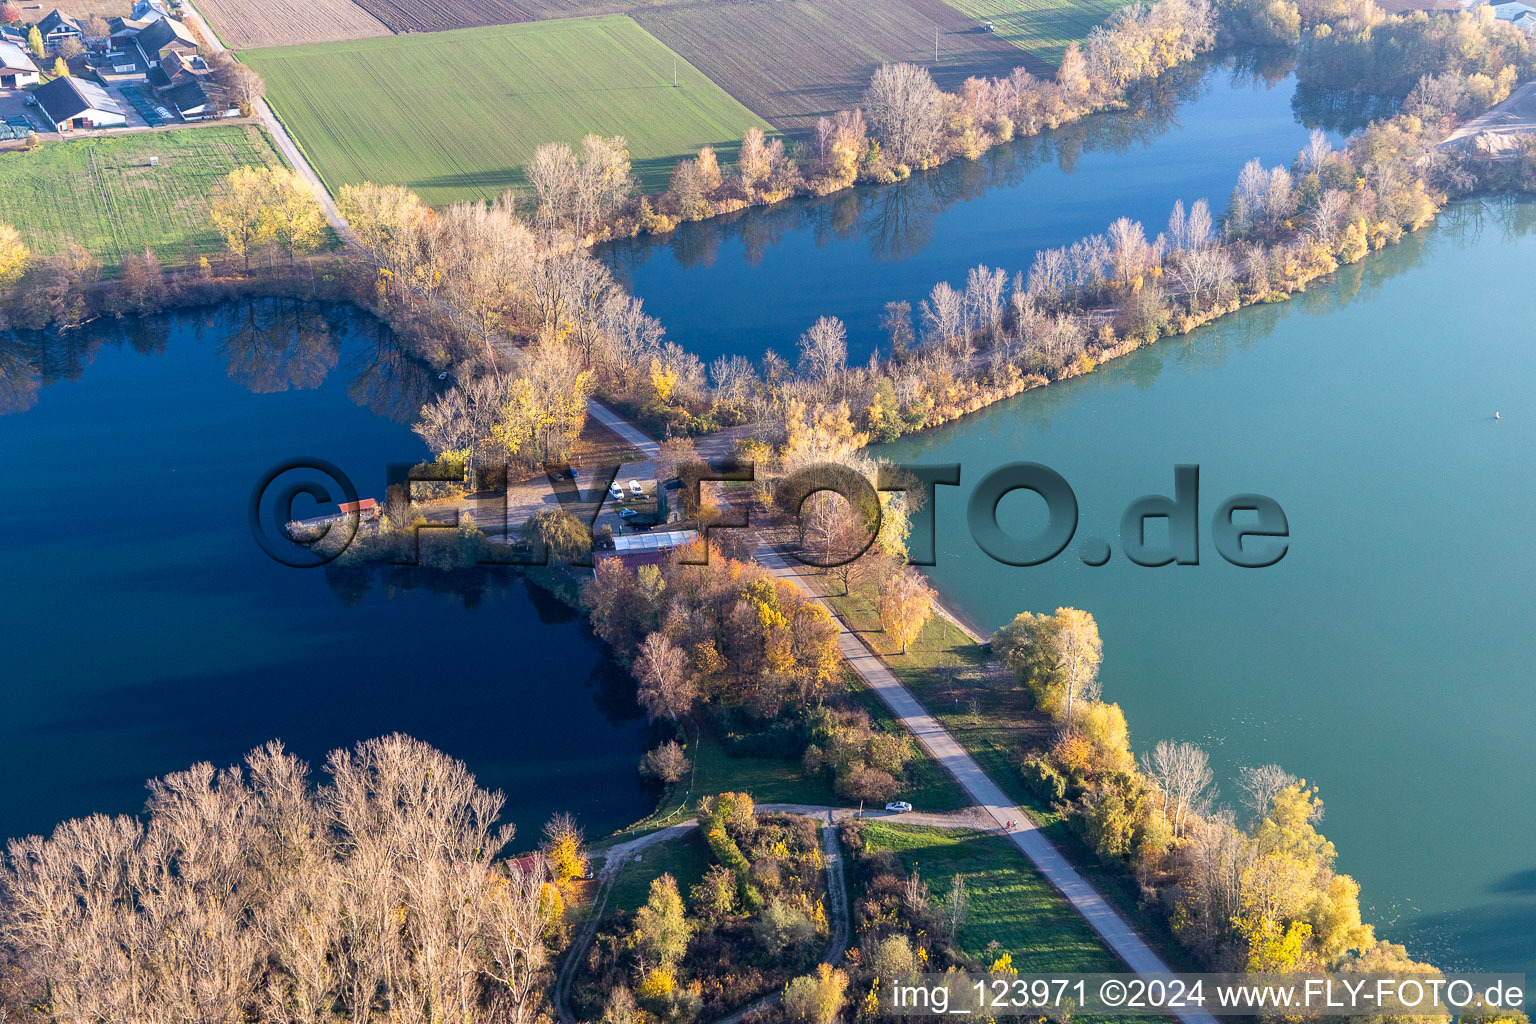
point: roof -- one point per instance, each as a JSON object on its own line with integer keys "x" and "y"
{"x": 68, "y": 97}
{"x": 189, "y": 96}
{"x": 1429, "y": 6}
{"x": 160, "y": 34}
{"x": 634, "y": 543}
{"x": 11, "y": 35}
{"x": 14, "y": 58}
{"x": 57, "y": 21}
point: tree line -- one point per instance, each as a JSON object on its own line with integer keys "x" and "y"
{"x": 253, "y": 894}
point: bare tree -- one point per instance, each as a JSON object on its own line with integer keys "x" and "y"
{"x": 824, "y": 350}
{"x": 661, "y": 669}
{"x": 1261, "y": 785}
{"x": 1182, "y": 771}
{"x": 905, "y": 109}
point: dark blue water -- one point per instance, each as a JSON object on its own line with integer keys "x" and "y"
{"x": 144, "y": 630}
{"x": 755, "y": 280}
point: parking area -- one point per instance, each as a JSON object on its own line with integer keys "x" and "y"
{"x": 14, "y": 112}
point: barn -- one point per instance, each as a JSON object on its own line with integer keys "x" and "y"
{"x": 16, "y": 67}
{"x": 72, "y": 103}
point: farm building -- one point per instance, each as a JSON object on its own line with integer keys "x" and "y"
{"x": 16, "y": 67}
{"x": 57, "y": 27}
{"x": 12, "y": 35}
{"x": 182, "y": 82}
{"x": 149, "y": 10}
{"x": 73, "y": 103}
{"x": 161, "y": 37}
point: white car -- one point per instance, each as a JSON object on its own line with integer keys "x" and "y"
{"x": 635, "y": 489}
{"x": 899, "y": 806}
{"x": 615, "y": 493}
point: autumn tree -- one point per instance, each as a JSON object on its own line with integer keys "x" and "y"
{"x": 60, "y": 69}
{"x": 10, "y": 12}
{"x": 816, "y": 998}
{"x": 13, "y": 256}
{"x": 666, "y": 763}
{"x": 241, "y": 212}
{"x": 661, "y": 669}
{"x": 564, "y": 850}
{"x": 565, "y": 537}
{"x": 661, "y": 926}
{"x": 295, "y": 219}
{"x": 906, "y": 603}
{"x": 35, "y": 43}
{"x": 905, "y": 109}
{"x": 1182, "y": 773}
{"x": 1056, "y": 656}
{"x": 824, "y": 350}
{"x": 97, "y": 30}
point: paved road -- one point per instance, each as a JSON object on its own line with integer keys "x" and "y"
{"x": 285, "y": 143}
{"x": 1026, "y": 835}
{"x": 619, "y": 425}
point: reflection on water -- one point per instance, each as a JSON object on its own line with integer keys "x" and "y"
{"x": 268, "y": 345}
{"x": 754, "y": 280}
{"x": 169, "y": 638}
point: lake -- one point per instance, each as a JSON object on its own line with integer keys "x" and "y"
{"x": 1388, "y": 657}
{"x": 754, "y": 280}
{"x": 145, "y": 630}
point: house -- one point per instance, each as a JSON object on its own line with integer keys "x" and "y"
{"x": 1525, "y": 21}
{"x": 13, "y": 35}
{"x": 57, "y": 27}
{"x": 182, "y": 82}
{"x": 1512, "y": 11}
{"x": 163, "y": 36}
{"x": 149, "y": 10}
{"x": 16, "y": 67}
{"x": 75, "y": 103}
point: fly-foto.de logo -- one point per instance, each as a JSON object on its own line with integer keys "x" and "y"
{"x": 1247, "y": 530}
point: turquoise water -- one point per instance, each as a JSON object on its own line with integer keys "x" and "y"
{"x": 1388, "y": 657}
{"x": 144, "y": 630}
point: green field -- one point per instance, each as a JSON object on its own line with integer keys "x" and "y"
{"x": 685, "y": 858}
{"x": 103, "y": 194}
{"x": 455, "y": 115}
{"x": 1043, "y": 27}
{"x": 1007, "y": 900}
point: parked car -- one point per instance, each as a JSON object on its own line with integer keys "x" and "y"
{"x": 635, "y": 489}
{"x": 899, "y": 806}
{"x": 626, "y": 513}
{"x": 615, "y": 493}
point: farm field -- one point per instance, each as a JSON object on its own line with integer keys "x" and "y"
{"x": 1042, "y": 27}
{"x": 244, "y": 24}
{"x": 456, "y": 115}
{"x": 103, "y": 194}
{"x": 795, "y": 60}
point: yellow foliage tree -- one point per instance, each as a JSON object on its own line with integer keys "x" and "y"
{"x": 906, "y": 603}
{"x": 13, "y": 256}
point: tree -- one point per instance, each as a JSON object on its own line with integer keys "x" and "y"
{"x": 10, "y": 12}
{"x": 1261, "y": 785}
{"x": 1182, "y": 772}
{"x": 565, "y": 537}
{"x": 896, "y": 321}
{"x": 666, "y": 764}
{"x": 661, "y": 926}
{"x": 954, "y": 906}
{"x": 60, "y": 69}
{"x": 295, "y": 219}
{"x": 13, "y": 256}
{"x": 97, "y": 30}
{"x": 517, "y": 914}
{"x": 714, "y": 896}
{"x": 240, "y": 212}
{"x": 824, "y": 350}
{"x": 35, "y": 43}
{"x": 905, "y": 109}
{"x": 661, "y": 669}
{"x": 816, "y": 998}
{"x": 564, "y": 851}
{"x": 906, "y": 603}
{"x": 834, "y": 533}
{"x": 1056, "y": 656}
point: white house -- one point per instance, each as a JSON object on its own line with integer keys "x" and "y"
{"x": 16, "y": 67}
{"x": 74, "y": 103}
{"x": 57, "y": 27}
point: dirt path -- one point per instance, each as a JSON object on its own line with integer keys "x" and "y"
{"x": 1514, "y": 117}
